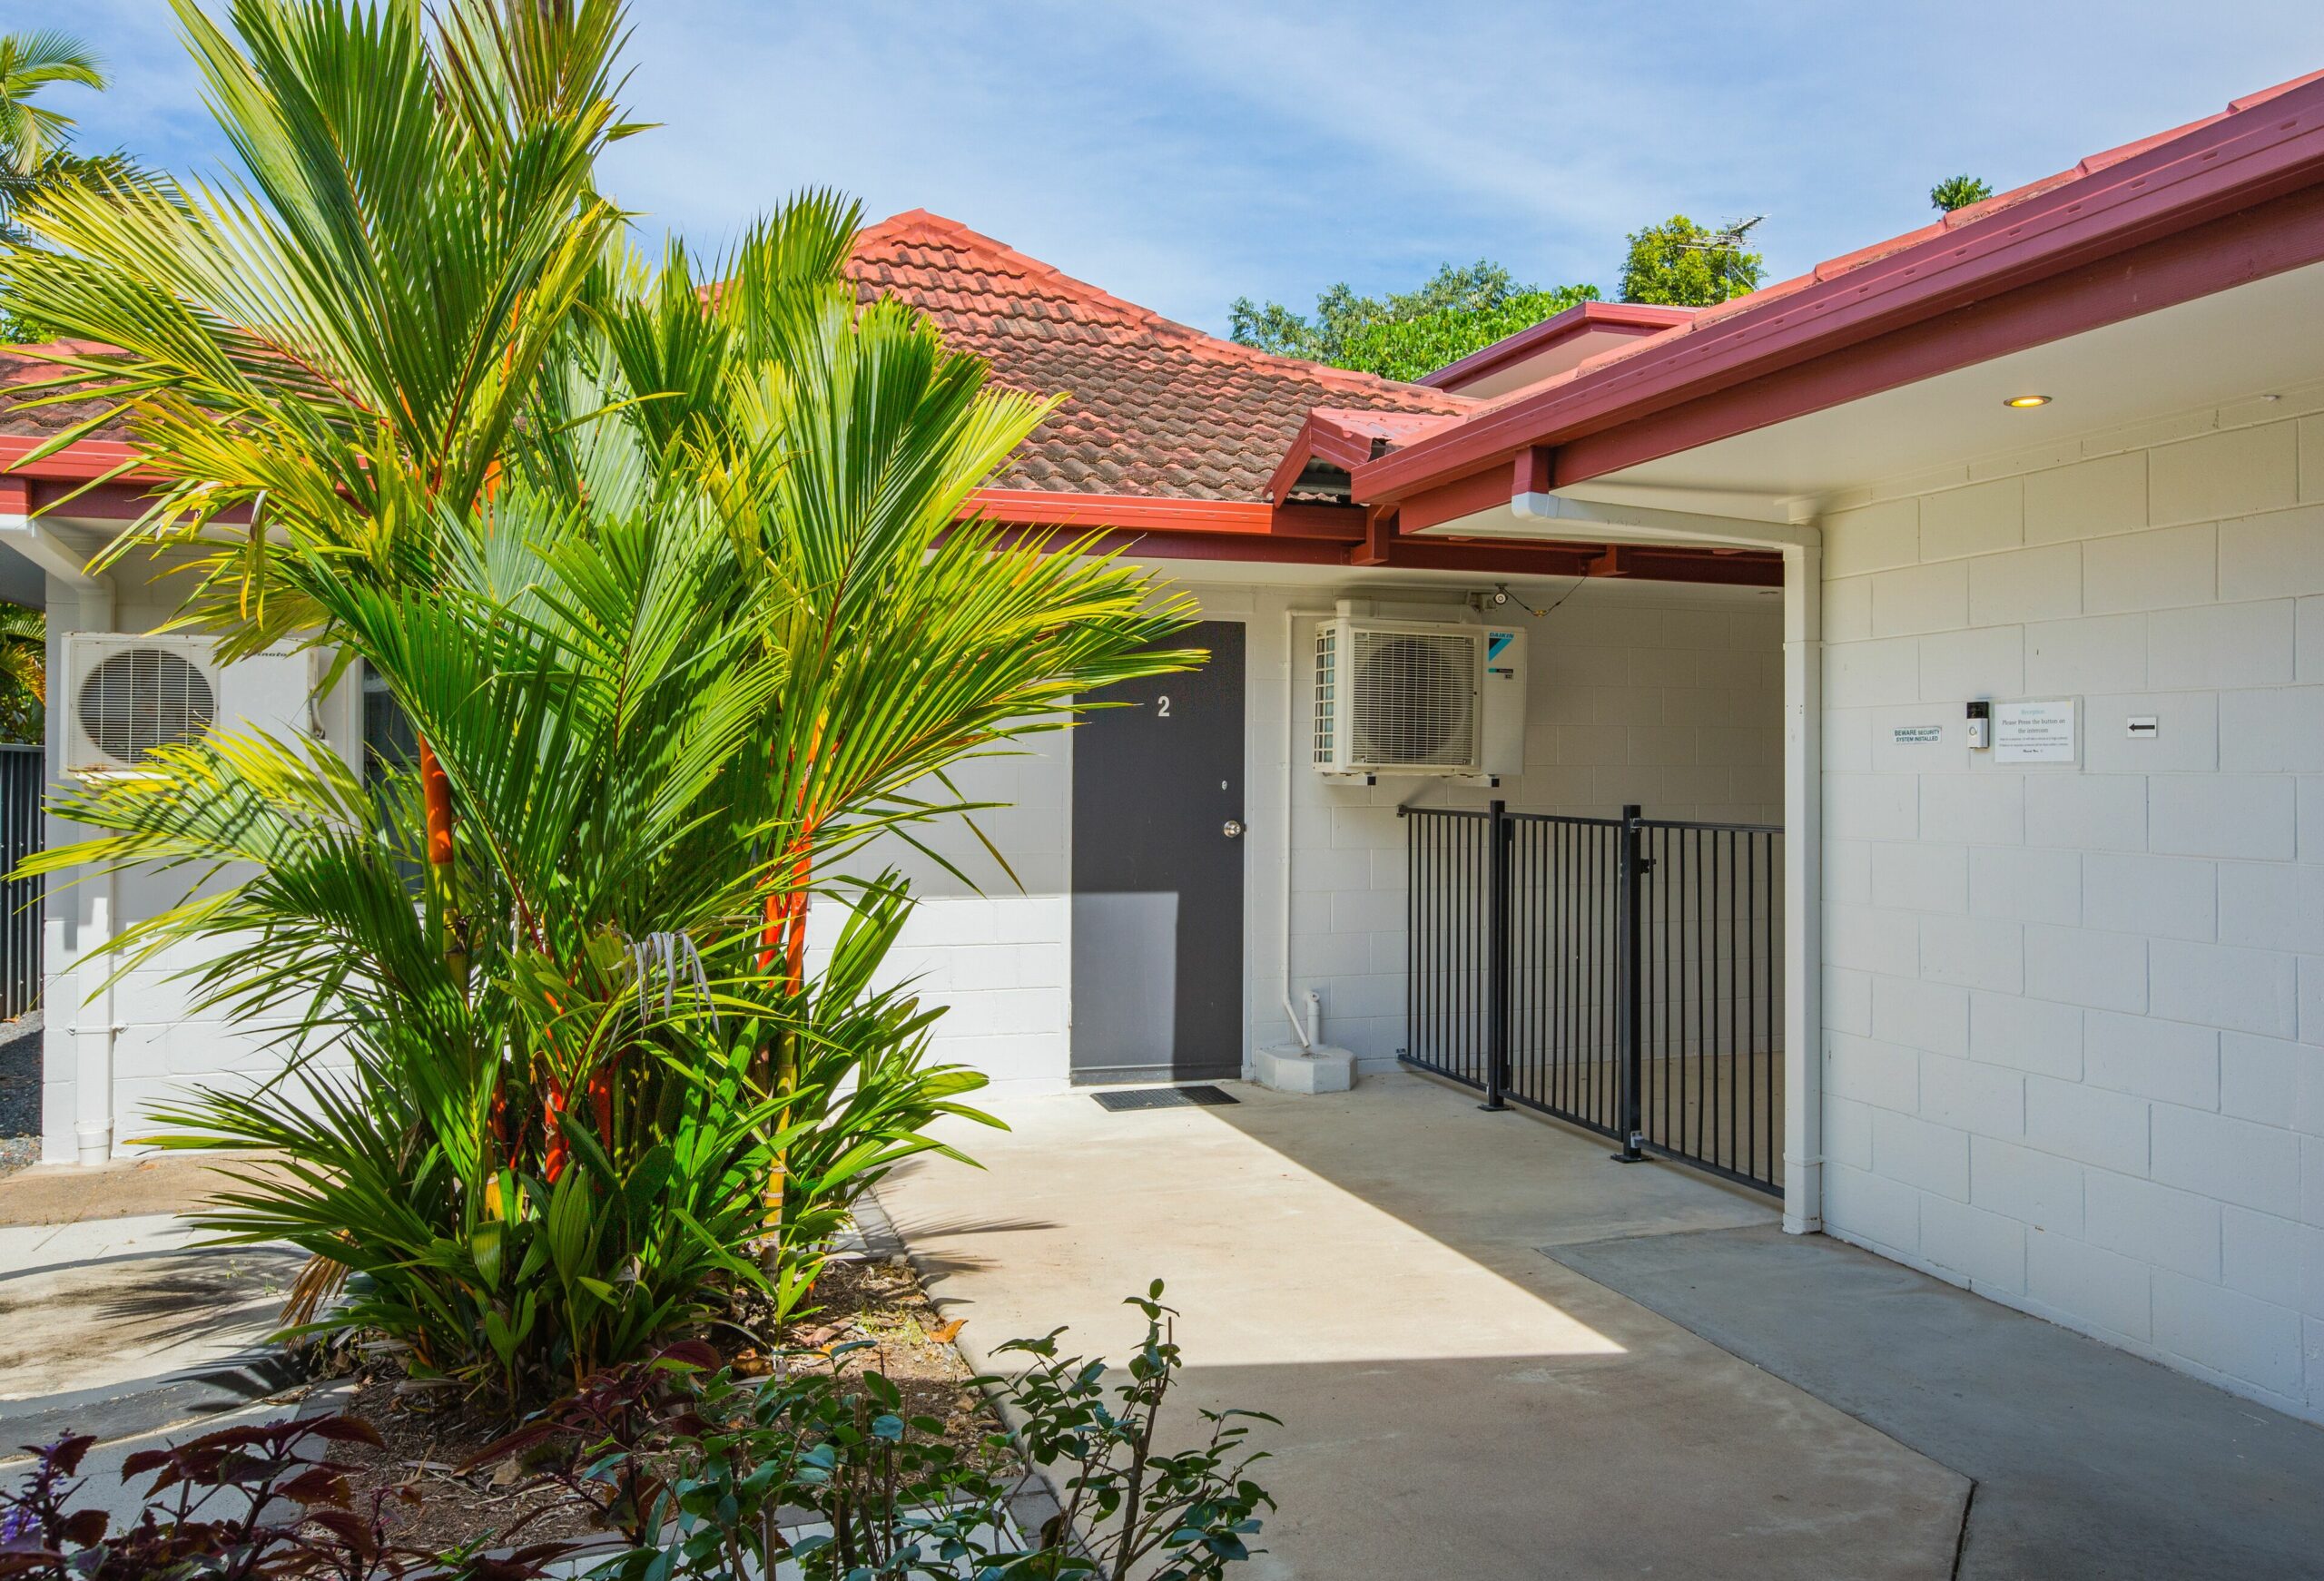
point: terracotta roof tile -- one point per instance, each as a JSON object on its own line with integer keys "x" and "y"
{"x": 23, "y": 365}
{"x": 1154, "y": 408}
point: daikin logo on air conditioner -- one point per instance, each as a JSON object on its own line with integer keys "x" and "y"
{"x": 1418, "y": 697}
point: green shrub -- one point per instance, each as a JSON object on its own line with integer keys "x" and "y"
{"x": 696, "y": 1468}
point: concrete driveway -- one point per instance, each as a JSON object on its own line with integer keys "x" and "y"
{"x": 1368, "y": 1267}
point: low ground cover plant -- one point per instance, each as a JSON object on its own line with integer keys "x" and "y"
{"x": 703, "y": 1474}
{"x": 700, "y": 1471}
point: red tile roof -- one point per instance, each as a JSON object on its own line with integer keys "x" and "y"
{"x": 1155, "y": 409}
{"x": 23, "y": 365}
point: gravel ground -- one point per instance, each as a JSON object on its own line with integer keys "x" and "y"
{"x": 19, "y": 1092}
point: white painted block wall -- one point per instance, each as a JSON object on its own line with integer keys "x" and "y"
{"x": 161, "y": 1046}
{"x": 1670, "y": 697}
{"x": 2074, "y": 1013}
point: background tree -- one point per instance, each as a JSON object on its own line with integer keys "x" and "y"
{"x": 1958, "y": 193}
{"x": 1682, "y": 264}
{"x": 1406, "y": 334}
{"x": 23, "y": 672}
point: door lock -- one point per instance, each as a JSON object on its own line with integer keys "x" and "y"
{"x": 1234, "y": 830}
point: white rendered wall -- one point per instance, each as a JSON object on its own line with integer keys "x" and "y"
{"x": 1666, "y": 696}
{"x": 161, "y": 1046}
{"x": 2074, "y": 1012}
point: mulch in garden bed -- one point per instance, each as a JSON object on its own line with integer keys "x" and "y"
{"x": 425, "y": 1450}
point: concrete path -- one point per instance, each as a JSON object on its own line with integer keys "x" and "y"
{"x": 122, "y": 1326}
{"x": 112, "y": 1319}
{"x": 2091, "y": 1464}
{"x": 1367, "y": 1267}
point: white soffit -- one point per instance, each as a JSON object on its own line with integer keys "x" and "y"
{"x": 2230, "y": 346}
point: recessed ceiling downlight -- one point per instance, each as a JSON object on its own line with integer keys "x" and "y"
{"x": 2026, "y": 402}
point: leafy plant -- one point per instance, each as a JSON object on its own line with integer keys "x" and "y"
{"x": 1407, "y": 334}
{"x": 23, "y": 672}
{"x": 1679, "y": 263}
{"x": 1958, "y": 193}
{"x": 681, "y": 593}
{"x": 696, "y": 1469}
{"x": 260, "y": 1501}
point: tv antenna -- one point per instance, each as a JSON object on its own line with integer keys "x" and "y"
{"x": 1730, "y": 238}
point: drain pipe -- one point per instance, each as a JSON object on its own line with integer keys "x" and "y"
{"x": 1309, "y": 1028}
{"x": 92, "y": 1026}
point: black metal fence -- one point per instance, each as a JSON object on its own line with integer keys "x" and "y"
{"x": 22, "y": 779}
{"x": 1624, "y": 974}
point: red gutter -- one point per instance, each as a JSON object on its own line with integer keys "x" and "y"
{"x": 1250, "y": 531}
{"x": 2262, "y": 151}
{"x": 77, "y": 463}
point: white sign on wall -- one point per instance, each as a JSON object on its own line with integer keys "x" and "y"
{"x": 2034, "y": 733}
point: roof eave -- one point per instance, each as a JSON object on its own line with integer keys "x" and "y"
{"x": 2267, "y": 150}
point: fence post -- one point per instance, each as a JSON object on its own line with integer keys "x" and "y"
{"x": 1629, "y": 983}
{"x": 1497, "y": 957}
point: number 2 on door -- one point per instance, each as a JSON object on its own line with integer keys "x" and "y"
{"x": 1162, "y": 709}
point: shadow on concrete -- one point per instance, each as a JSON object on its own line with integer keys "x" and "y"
{"x": 1453, "y": 1404}
{"x": 2089, "y": 1462}
{"x": 1369, "y": 1268}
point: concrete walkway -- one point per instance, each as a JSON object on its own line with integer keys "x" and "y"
{"x": 113, "y": 1320}
{"x": 1368, "y": 1268}
{"x": 2090, "y": 1463}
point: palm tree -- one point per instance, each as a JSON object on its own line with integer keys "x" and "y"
{"x": 337, "y": 342}
{"x": 35, "y": 138}
{"x": 675, "y": 586}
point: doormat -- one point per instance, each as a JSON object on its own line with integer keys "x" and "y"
{"x": 1165, "y": 1098}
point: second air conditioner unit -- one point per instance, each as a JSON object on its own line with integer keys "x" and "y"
{"x": 126, "y": 695}
{"x": 1418, "y": 697}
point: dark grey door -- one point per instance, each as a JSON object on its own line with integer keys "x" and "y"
{"x": 1158, "y": 873}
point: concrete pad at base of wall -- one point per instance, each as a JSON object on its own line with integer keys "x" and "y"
{"x": 2091, "y": 1465}
{"x": 1363, "y": 1265}
{"x": 1289, "y": 1068}
{"x": 70, "y": 1193}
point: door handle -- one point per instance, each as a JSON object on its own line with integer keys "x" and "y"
{"x": 1234, "y": 828}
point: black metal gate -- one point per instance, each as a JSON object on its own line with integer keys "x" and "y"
{"x": 22, "y": 777}
{"x": 1625, "y": 974}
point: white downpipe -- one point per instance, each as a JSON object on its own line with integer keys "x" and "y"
{"x": 92, "y": 1026}
{"x": 1803, "y": 846}
{"x": 1306, "y": 1028}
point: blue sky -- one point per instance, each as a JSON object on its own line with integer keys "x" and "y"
{"x": 1181, "y": 154}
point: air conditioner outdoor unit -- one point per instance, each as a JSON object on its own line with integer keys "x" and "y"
{"x": 126, "y": 695}
{"x": 1418, "y": 697}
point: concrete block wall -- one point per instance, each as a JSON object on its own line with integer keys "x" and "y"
{"x": 1667, "y": 696}
{"x": 2074, "y": 1013}
{"x": 1670, "y": 697}
{"x": 161, "y": 1046}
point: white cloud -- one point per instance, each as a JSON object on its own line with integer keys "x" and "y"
{"x": 1184, "y": 154}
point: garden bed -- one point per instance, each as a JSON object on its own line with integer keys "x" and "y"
{"x": 860, "y": 1300}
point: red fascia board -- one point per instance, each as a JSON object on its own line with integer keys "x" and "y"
{"x": 1644, "y": 317}
{"x": 77, "y": 462}
{"x": 2285, "y": 233}
{"x": 1449, "y": 501}
{"x": 2220, "y": 166}
{"x": 1318, "y": 440}
{"x": 1225, "y": 518}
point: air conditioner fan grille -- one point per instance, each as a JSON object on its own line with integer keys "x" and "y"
{"x": 142, "y": 698}
{"x": 1415, "y": 697}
